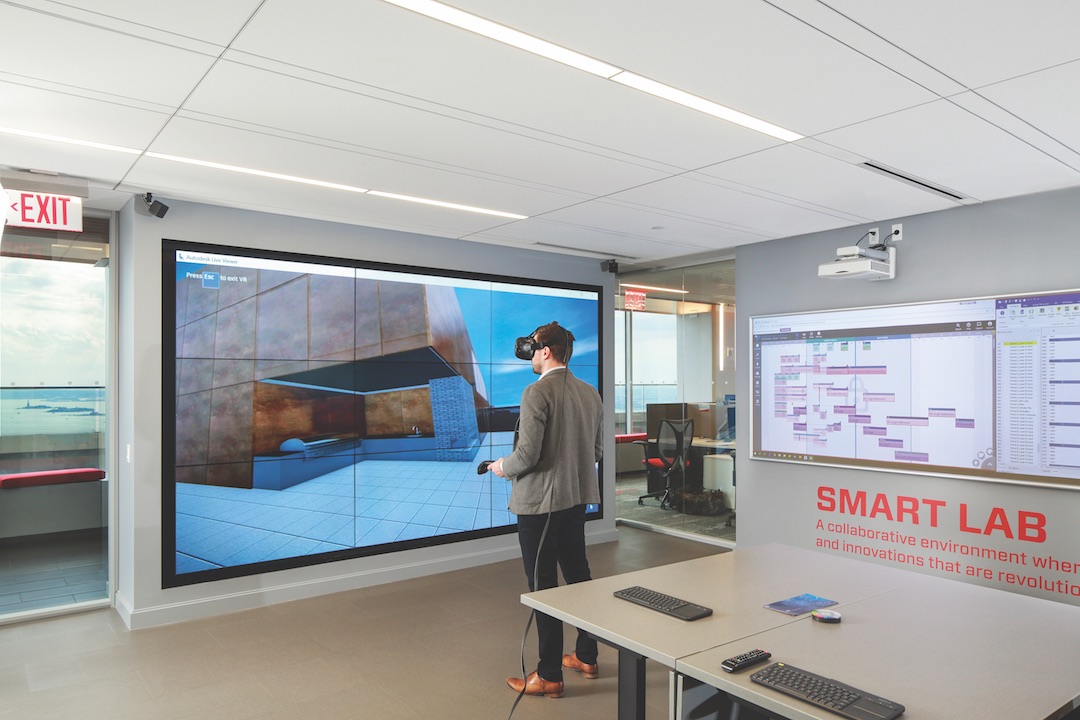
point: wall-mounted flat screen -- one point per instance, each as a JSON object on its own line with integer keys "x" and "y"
{"x": 321, "y": 409}
{"x": 983, "y": 387}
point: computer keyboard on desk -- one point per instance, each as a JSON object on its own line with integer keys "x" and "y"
{"x": 827, "y": 693}
{"x": 666, "y": 604}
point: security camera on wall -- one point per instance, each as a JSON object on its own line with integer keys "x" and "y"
{"x": 854, "y": 262}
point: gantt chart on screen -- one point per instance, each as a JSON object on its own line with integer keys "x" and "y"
{"x": 987, "y": 387}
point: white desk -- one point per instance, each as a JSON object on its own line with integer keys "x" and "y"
{"x": 945, "y": 650}
{"x": 713, "y": 443}
{"x": 735, "y": 585}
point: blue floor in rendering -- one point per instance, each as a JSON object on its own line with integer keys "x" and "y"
{"x": 370, "y": 503}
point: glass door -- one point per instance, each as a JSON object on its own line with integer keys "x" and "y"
{"x": 675, "y": 361}
{"x": 54, "y": 300}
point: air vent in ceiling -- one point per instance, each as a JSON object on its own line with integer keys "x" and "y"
{"x": 588, "y": 253}
{"x": 921, "y": 184}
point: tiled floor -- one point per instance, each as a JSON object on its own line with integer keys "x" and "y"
{"x": 434, "y": 647}
{"x": 42, "y": 571}
{"x": 373, "y": 502}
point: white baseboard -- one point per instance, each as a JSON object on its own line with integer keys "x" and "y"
{"x": 203, "y": 607}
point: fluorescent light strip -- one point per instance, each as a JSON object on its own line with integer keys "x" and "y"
{"x": 69, "y": 141}
{"x": 720, "y": 335}
{"x": 650, "y": 287}
{"x": 452, "y": 206}
{"x": 259, "y": 173}
{"x": 501, "y": 33}
{"x": 509, "y": 36}
{"x": 708, "y": 107}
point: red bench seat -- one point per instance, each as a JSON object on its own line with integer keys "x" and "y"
{"x": 50, "y": 477}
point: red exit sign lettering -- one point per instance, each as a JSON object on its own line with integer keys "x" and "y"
{"x": 44, "y": 211}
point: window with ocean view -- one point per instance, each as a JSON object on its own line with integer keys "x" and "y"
{"x": 54, "y": 341}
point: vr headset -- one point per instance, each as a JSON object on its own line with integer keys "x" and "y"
{"x": 524, "y": 347}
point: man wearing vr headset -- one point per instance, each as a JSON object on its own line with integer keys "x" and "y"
{"x": 553, "y": 467}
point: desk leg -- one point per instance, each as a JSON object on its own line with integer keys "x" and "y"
{"x": 697, "y": 700}
{"x": 631, "y": 685}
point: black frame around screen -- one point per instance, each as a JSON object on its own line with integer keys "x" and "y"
{"x": 183, "y": 361}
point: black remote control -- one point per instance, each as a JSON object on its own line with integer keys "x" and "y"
{"x": 745, "y": 660}
{"x": 483, "y": 467}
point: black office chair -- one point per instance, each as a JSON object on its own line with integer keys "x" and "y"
{"x": 666, "y": 460}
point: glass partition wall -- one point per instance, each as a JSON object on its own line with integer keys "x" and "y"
{"x": 675, "y": 360}
{"x": 54, "y": 351}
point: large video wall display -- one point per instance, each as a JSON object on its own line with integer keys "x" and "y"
{"x": 320, "y": 409}
{"x": 986, "y": 387}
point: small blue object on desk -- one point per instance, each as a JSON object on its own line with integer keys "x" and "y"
{"x": 800, "y": 604}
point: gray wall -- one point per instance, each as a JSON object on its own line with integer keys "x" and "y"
{"x": 140, "y": 598}
{"x": 1019, "y": 245}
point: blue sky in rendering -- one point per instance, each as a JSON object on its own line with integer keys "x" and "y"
{"x": 496, "y": 319}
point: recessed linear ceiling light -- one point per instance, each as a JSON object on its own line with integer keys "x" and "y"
{"x": 509, "y": 36}
{"x": 708, "y": 107}
{"x": 259, "y": 173}
{"x": 69, "y": 141}
{"x": 651, "y": 287}
{"x": 452, "y": 206}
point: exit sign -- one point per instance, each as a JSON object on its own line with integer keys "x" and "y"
{"x": 633, "y": 300}
{"x": 44, "y": 211}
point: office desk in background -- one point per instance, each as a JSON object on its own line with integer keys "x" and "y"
{"x": 700, "y": 449}
{"x": 944, "y": 649}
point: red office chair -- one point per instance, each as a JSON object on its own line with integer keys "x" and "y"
{"x": 666, "y": 460}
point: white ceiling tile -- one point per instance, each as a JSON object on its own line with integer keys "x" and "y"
{"x": 975, "y": 41}
{"x": 98, "y": 165}
{"x": 746, "y": 54}
{"x": 364, "y": 93}
{"x": 203, "y": 21}
{"x": 265, "y": 152}
{"x": 872, "y": 46}
{"x": 79, "y": 118}
{"x": 49, "y": 47}
{"x": 409, "y": 134}
{"x": 949, "y": 147}
{"x": 387, "y": 47}
{"x": 186, "y": 182}
{"x": 611, "y": 230}
{"x": 807, "y": 177}
{"x": 694, "y": 196}
{"x": 1045, "y": 104}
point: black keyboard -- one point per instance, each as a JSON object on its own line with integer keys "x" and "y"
{"x": 828, "y": 694}
{"x": 666, "y": 604}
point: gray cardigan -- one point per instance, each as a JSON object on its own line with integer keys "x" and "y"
{"x": 558, "y": 441}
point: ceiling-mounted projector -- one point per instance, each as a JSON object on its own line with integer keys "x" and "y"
{"x": 855, "y": 262}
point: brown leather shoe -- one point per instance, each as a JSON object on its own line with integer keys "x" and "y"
{"x": 590, "y": 671}
{"x": 535, "y": 685}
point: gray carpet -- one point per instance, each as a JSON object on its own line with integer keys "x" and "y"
{"x": 629, "y": 487}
